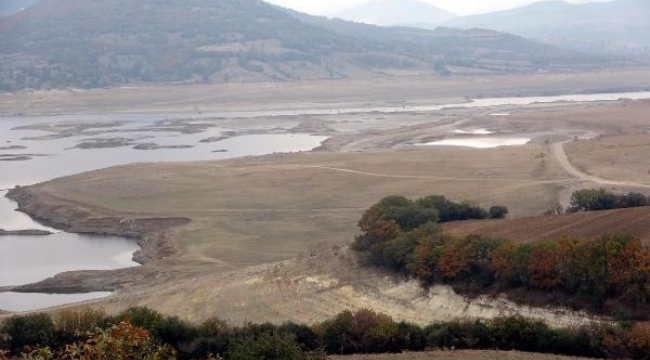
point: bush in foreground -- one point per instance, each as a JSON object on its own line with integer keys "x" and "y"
{"x": 361, "y": 331}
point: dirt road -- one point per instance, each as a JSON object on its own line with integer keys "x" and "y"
{"x": 563, "y": 159}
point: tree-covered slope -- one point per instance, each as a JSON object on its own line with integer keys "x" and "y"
{"x": 82, "y": 43}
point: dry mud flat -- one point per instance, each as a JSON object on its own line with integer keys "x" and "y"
{"x": 370, "y": 91}
{"x": 247, "y": 218}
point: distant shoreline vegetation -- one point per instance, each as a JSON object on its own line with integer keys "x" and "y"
{"x": 604, "y": 275}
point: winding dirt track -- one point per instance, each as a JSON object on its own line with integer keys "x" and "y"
{"x": 563, "y": 159}
{"x": 422, "y": 177}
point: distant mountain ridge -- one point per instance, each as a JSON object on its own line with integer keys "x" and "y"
{"x": 396, "y": 12}
{"x": 99, "y": 43}
{"x": 616, "y": 26}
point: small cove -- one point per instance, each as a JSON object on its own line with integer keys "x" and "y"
{"x": 26, "y": 259}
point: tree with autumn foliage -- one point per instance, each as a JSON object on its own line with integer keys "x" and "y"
{"x": 594, "y": 271}
{"x": 121, "y": 341}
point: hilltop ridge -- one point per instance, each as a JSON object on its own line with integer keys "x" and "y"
{"x": 90, "y": 44}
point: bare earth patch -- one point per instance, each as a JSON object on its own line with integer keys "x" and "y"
{"x": 249, "y": 217}
{"x": 616, "y": 157}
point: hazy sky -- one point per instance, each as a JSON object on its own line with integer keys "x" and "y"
{"x": 461, "y": 7}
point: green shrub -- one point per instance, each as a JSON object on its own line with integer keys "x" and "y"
{"x": 27, "y": 331}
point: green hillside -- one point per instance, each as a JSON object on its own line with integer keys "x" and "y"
{"x": 88, "y": 44}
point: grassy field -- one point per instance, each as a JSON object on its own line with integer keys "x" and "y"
{"x": 248, "y": 214}
{"x": 620, "y": 158}
{"x": 458, "y": 355}
{"x": 252, "y": 211}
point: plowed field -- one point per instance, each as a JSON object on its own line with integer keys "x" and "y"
{"x": 634, "y": 221}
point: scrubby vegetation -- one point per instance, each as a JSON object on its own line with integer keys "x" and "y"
{"x": 403, "y": 236}
{"x": 601, "y": 199}
{"x": 141, "y": 333}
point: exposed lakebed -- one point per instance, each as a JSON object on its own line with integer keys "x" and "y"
{"x": 106, "y": 142}
{"x": 41, "y": 148}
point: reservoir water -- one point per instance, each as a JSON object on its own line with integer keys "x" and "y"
{"x": 40, "y": 148}
{"x": 480, "y": 142}
{"x": 28, "y": 259}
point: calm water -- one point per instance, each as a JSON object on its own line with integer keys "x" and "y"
{"x": 41, "y": 257}
{"x": 28, "y": 259}
{"x": 480, "y": 142}
{"x": 60, "y": 158}
{"x": 17, "y": 302}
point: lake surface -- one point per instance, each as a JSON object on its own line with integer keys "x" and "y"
{"x": 41, "y": 257}
{"x": 56, "y": 154}
{"x": 480, "y": 142}
{"x": 17, "y": 302}
{"x": 473, "y": 132}
{"x": 28, "y": 259}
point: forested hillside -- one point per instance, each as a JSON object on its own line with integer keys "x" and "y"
{"x": 75, "y": 43}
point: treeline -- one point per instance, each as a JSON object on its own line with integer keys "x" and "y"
{"x": 409, "y": 214}
{"x": 140, "y": 333}
{"x": 601, "y": 199}
{"x": 614, "y": 269}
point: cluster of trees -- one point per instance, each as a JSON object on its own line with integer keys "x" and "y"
{"x": 140, "y": 333}
{"x": 410, "y": 214}
{"x": 601, "y": 199}
{"x": 404, "y": 237}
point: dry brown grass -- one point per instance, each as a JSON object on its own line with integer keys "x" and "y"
{"x": 247, "y": 213}
{"x": 252, "y": 211}
{"x": 458, "y": 355}
{"x": 617, "y": 158}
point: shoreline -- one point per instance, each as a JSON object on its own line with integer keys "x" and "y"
{"x": 29, "y": 232}
{"x": 237, "y": 111}
{"x": 153, "y": 235}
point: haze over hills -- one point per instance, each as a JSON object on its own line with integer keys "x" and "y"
{"x": 396, "y": 12}
{"x": 622, "y": 25}
{"x": 10, "y": 7}
{"x": 88, "y": 44}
